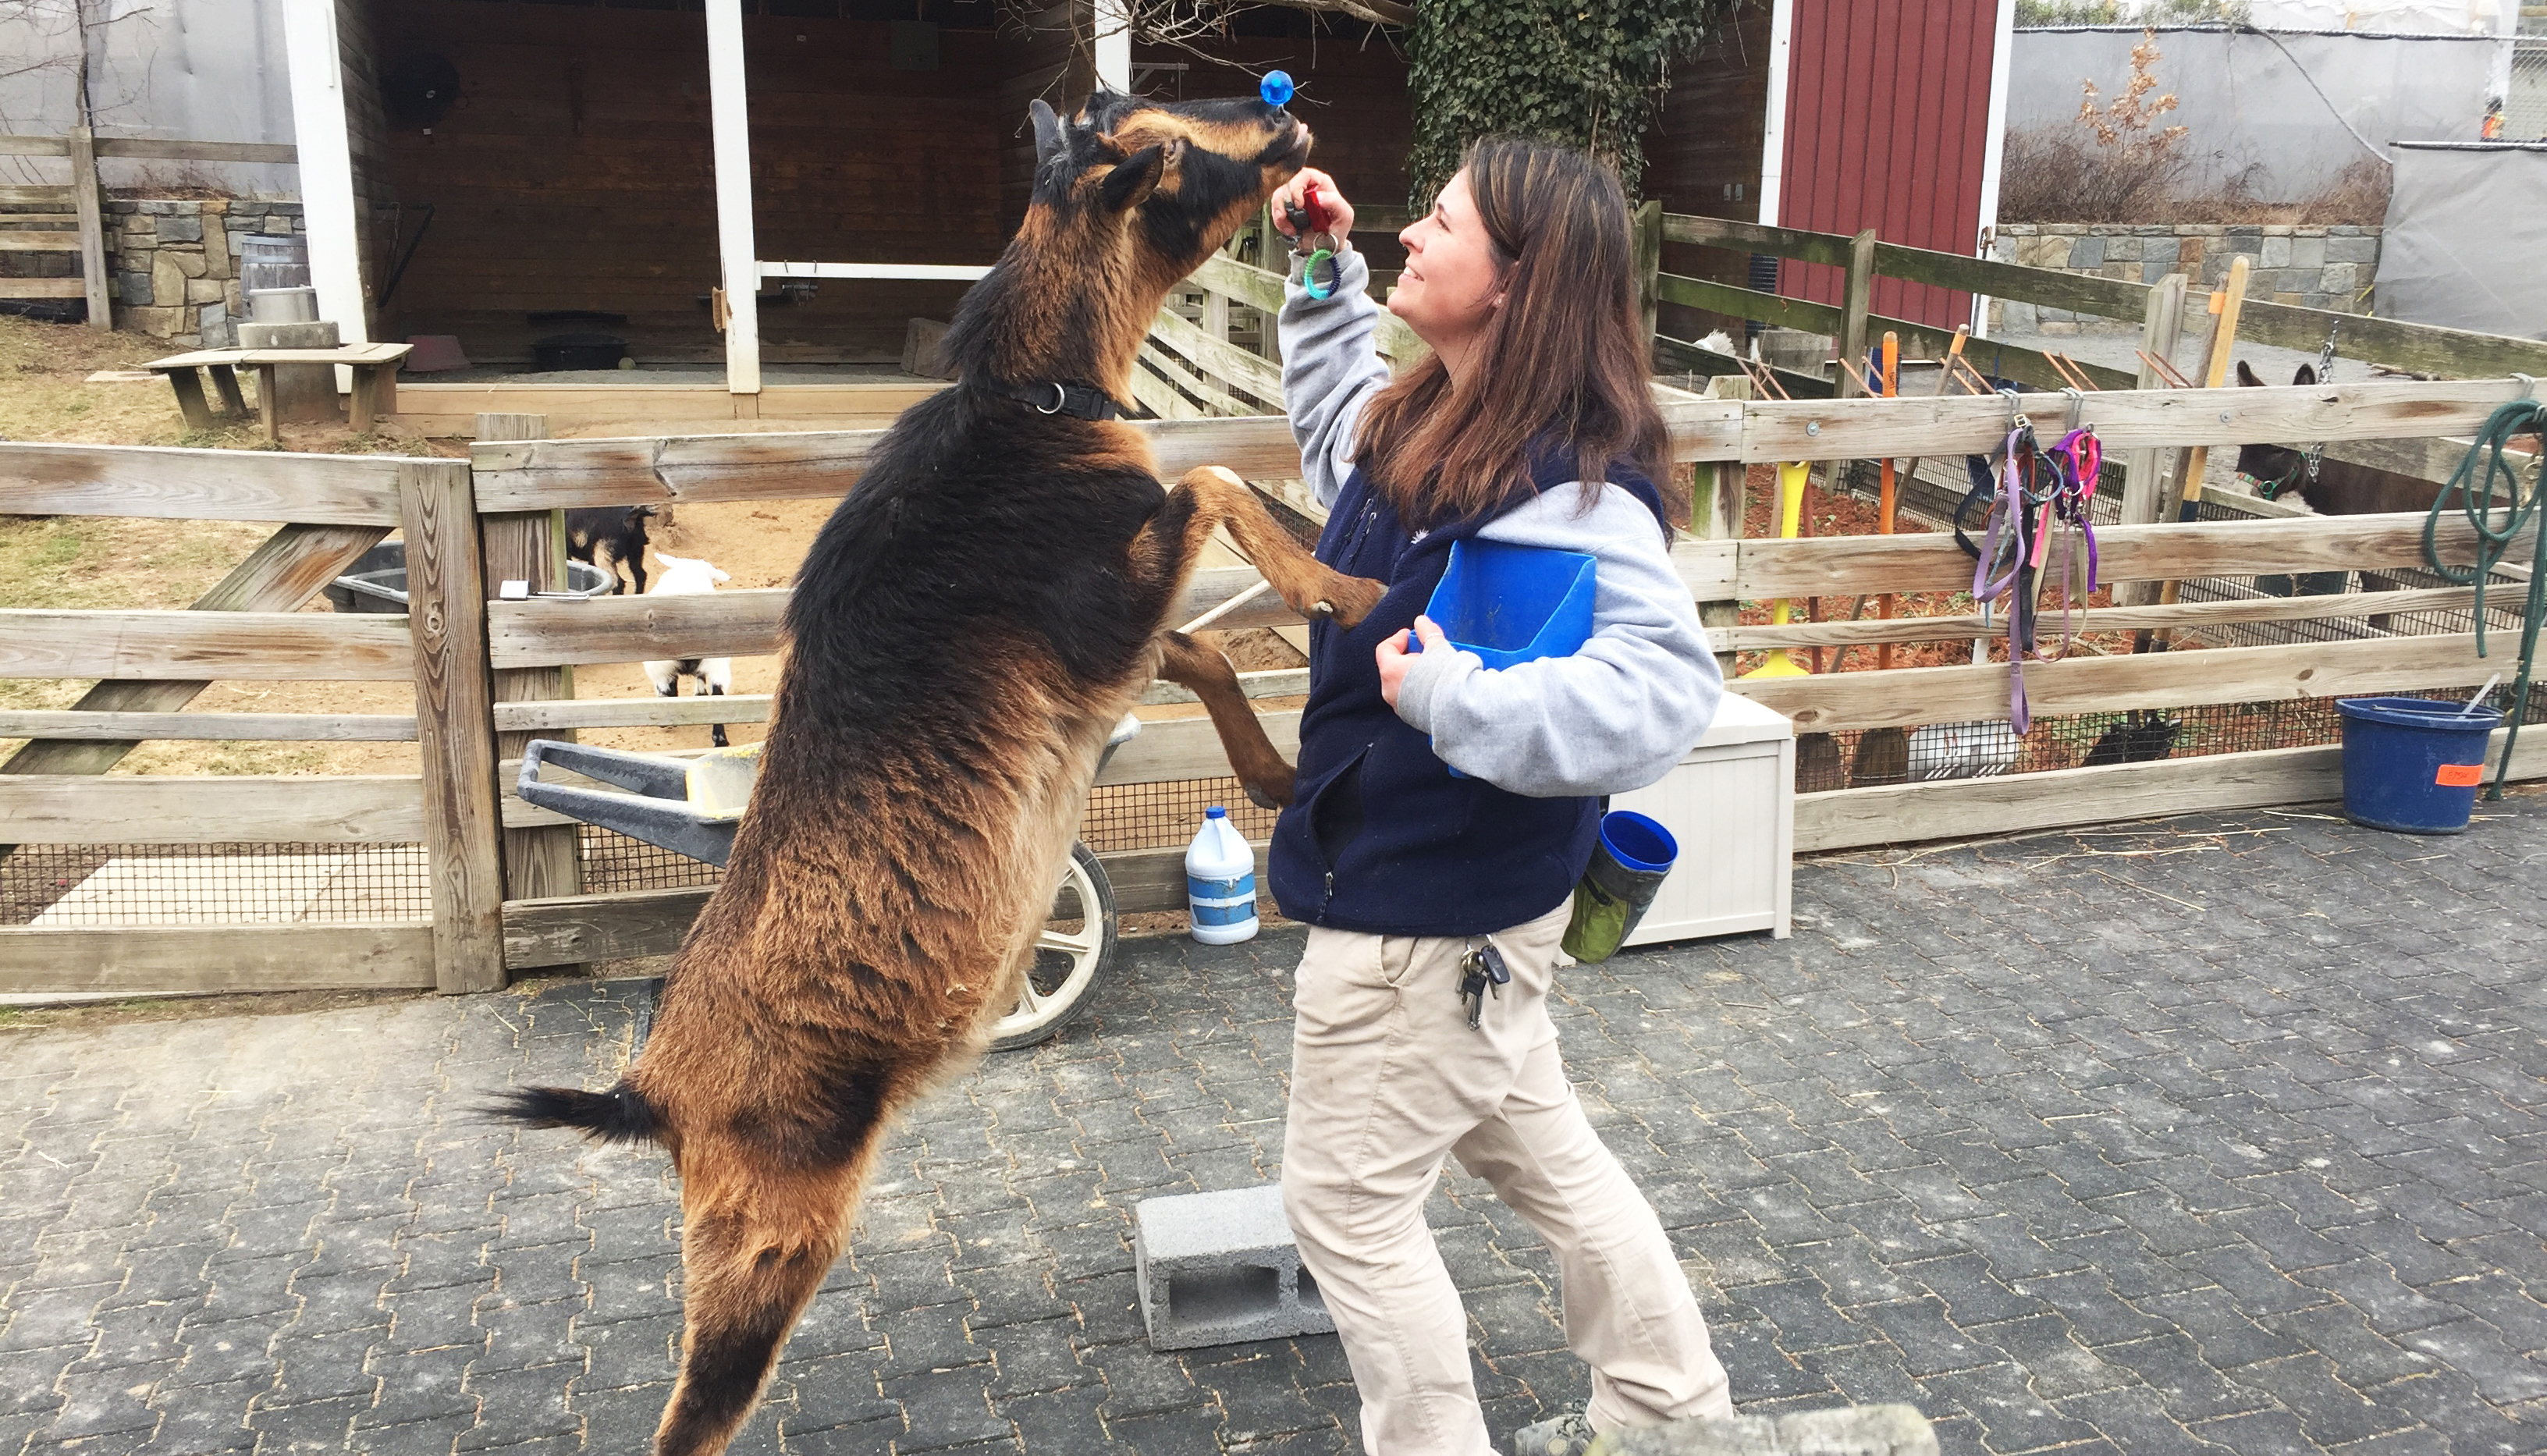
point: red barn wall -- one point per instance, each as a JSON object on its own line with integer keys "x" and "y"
{"x": 1887, "y": 108}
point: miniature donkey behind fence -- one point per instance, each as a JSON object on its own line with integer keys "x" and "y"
{"x": 969, "y": 626}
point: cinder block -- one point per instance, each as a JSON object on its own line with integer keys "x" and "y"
{"x": 1218, "y": 1268}
{"x": 1847, "y": 1431}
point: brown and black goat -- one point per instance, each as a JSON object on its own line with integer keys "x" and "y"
{"x": 968, "y": 628}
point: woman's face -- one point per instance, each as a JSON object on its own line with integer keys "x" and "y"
{"x": 1453, "y": 282}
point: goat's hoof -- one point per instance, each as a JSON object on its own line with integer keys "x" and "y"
{"x": 1351, "y": 599}
{"x": 1273, "y": 791}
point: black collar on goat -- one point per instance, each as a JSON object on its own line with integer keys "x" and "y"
{"x": 968, "y": 628}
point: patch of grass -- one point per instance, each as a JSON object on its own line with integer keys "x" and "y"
{"x": 45, "y": 393}
{"x": 36, "y": 554}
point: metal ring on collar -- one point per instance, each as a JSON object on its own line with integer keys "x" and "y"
{"x": 1060, "y": 397}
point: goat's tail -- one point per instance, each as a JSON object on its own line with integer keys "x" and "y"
{"x": 618, "y": 1115}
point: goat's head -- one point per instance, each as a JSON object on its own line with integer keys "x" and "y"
{"x": 1150, "y": 189}
{"x": 2274, "y": 466}
{"x": 1129, "y": 196}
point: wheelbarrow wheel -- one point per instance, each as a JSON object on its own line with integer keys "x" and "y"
{"x": 1070, "y": 957}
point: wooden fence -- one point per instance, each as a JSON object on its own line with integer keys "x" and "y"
{"x": 2414, "y": 347}
{"x": 150, "y": 664}
{"x": 74, "y": 221}
{"x": 485, "y": 672}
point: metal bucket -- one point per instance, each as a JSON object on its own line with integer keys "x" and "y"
{"x": 272, "y": 260}
{"x": 283, "y": 306}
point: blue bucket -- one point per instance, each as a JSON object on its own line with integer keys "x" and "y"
{"x": 1513, "y": 604}
{"x": 2412, "y": 764}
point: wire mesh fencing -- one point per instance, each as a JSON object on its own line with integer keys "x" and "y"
{"x": 70, "y": 885}
{"x": 1864, "y": 758}
{"x": 1120, "y": 816}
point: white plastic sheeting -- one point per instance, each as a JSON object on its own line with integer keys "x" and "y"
{"x": 2412, "y": 17}
{"x": 2247, "y": 102}
{"x": 193, "y": 70}
{"x": 2466, "y": 228}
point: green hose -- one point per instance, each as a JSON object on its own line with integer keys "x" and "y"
{"x": 2473, "y": 490}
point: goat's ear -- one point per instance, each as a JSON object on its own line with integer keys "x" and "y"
{"x": 2306, "y": 376}
{"x": 2246, "y": 377}
{"x": 1133, "y": 180}
{"x": 1047, "y": 130}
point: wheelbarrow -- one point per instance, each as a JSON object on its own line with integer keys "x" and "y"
{"x": 692, "y": 807}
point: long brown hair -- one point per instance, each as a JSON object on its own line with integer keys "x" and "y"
{"x": 1562, "y": 358}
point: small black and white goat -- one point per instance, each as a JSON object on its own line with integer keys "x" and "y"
{"x": 611, "y": 537}
{"x": 690, "y": 576}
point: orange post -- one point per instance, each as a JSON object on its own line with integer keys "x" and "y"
{"x": 1891, "y": 489}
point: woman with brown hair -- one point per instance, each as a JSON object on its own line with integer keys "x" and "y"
{"x": 1528, "y": 422}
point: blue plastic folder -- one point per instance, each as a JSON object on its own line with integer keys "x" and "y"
{"x": 1514, "y": 604}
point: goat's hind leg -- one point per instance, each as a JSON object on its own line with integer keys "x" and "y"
{"x": 757, "y": 1238}
{"x": 1259, "y": 765}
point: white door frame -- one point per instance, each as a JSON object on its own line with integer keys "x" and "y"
{"x": 740, "y": 262}
{"x": 327, "y": 167}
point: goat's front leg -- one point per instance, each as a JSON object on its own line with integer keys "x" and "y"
{"x": 1210, "y": 497}
{"x": 1260, "y": 766}
{"x": 1163, "y": 562}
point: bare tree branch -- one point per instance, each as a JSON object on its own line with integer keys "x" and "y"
{"x": 1376, "y": 12}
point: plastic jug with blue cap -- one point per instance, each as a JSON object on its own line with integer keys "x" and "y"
{"x": 1221, "y": 881}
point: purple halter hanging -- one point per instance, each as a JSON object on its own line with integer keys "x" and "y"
{"x": 2043, "y": 495}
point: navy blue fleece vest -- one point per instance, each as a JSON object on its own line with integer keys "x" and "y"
{"x": 1379, "y": 837}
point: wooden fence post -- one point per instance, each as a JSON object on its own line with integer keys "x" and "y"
{"x": 530, "y": 545}
{"x": 2142, "y": 482}
{"x": 1649, "y": 262}
{"x": 454, "y": 722}
{"x": 1855, "y": 303}
{"x": 91, "y": 227}
{"x": 1716, "y": 515}
{"x": 1269, "y": 256}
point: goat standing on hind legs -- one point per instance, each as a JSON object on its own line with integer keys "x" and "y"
{"x": 974, "y": 619}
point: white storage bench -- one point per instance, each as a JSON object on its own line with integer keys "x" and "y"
{"x": 1731, "y": 805}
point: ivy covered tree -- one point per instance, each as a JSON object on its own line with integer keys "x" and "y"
{"x": 1590, "y": 72}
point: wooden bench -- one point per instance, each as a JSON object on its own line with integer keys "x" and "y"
{"x": 375, "y": 368}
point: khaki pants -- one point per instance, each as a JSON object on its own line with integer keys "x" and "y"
{"x": 1387, "y": 1078}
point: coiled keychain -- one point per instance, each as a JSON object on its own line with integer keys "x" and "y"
{"x": 1307, "y": 217}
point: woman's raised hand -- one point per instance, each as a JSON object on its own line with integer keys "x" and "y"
{"x": 1336, "y": 214}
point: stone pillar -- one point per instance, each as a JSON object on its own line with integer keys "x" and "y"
{"x": 307, "y": 391}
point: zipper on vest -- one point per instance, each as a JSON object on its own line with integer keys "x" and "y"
{"x": 1361, "y": 528}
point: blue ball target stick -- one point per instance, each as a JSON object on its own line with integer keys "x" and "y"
{"x": 1277, "y": 88}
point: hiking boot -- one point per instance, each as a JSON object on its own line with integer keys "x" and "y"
{"x": 1569, "y": 1434}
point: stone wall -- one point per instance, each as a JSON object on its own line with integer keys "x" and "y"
{"x": 2312, "y": 267}
{"x": 174, "y": 265}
